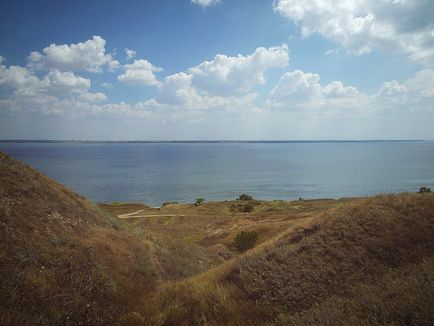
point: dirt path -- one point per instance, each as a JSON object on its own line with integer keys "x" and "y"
{"x": 133, "y": 215}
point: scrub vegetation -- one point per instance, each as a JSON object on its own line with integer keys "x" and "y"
{"x": 65, "y": 260}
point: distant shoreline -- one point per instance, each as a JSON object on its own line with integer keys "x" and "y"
{"x": 46, "y": 141}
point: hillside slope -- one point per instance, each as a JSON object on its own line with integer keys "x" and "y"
{"x": 370, "y": 262}
{"x": 62, "y": 260}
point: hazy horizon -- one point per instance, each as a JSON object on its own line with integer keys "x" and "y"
{"x": 214, "y": 140}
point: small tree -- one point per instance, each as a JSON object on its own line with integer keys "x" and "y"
{"x": 199, "y": 201}
{"x": 245, "y": 197}
{"x": 424, "y": 190}
{"x": 245, "y": 240}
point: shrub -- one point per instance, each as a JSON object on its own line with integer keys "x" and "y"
{"x": 245, "y": 197}
{"x": 245, "y": 240}
{"x": 169, "y": 203}
{"x": 199, "y": 201}
{"x": 424, "y": 190}
{"x": 248, "y": 208}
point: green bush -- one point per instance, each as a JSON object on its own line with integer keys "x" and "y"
{"x": 245, "y": 197}
{"x": 199, "y": 201}
{"x": 245, "y": 240}
{"x": 424, "y": 190}
{"x": 247, "y": 208}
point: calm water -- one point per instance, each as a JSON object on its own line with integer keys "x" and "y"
{"x": 155, "y": 173}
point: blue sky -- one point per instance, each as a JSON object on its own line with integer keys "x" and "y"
{"x": 209, "y": 69}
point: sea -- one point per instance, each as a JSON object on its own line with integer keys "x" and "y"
{"x": 154, "y": 172}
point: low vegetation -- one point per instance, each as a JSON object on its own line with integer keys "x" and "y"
{"x": 64, "y": 260}
{"x": 199, "y": 201}
{"x": 245, "y": 240}
{"x": 245, "y": 197}
{"x": 424, "y": 190}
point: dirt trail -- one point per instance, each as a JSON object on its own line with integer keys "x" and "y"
{"x": 133, "y": 215}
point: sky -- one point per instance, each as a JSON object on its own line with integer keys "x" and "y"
{"x": 217, "y": 69}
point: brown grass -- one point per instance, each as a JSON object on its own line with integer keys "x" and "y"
{"x": 64, "y": 260}
{"x": 351, "y": 248}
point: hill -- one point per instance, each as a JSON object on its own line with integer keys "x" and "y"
{"x": 62, "y": 259}
{"x": 370, "y": 262}
{"x": 65, "y": 260}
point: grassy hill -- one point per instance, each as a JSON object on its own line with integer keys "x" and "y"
{"x": 366, "y": 261}
{"x": 62, "y": 259}
{"x": 369, "y": 262}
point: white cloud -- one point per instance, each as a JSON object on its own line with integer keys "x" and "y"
{"x": 131, "y": 54}
{"x": 227, "y": 76}
{"x": 24, "y": 83}
{"x": 64, "y": 82}
{"x": 178, "y": 93}
{"x": 206, "y": 3}
{"x": 140, "y": 72}
{"x": 296, "y": 88}
{"x": 215, "y": 92}
{"x": 54, "y": 93}
{"x": 414, "y": 94}
{"x": 89, "y": 56}
{"x": 300, "y": 90}
{"x": 362, "y": 26}
{"x": 93, "y": 97}
{"x": 223, "y": 83}
{"x": 177, "y": 90}
{"x": 113, "y": 65}
{"x": 19, "y": 79}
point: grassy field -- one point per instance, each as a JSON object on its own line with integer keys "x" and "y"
{"x": 65, "y": 260}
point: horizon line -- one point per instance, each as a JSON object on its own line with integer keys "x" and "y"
{"x": 207, "y": 141}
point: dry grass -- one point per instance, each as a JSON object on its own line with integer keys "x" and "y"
{"x": 354, "y": 248}
{"x": 61, "y": 258}
{"x": 64, "y": 260}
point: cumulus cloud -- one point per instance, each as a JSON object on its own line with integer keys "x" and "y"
{"x": 64, "y": 82}
{"x": 24, "y": 83}
{"x": 54, "y": 93}
{"x": 19, "y": 79}
{"x": 89, "y": 56}
{"x": 222, "y": 87}
{"x": 93, "y": 97}
{"x": 223, "y": 83}
{"x": 300, "y": 90}
{"x": 206, "y": 3}
{"x": 414, "y": 94}
{"x": 226, "y": 76}
{"x": 361, "y": 26}
{"x": 140, "y": 72}
{"x": 131, "y": 54}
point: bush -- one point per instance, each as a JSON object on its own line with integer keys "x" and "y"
{"x": 245, "y": 240}
{"x": 199, "y": 201}
{"x": 247, "y": 208}
{"x": 424, "y": 190}
{"x": 169, "y": 203}
{"x": 245, "y": 197}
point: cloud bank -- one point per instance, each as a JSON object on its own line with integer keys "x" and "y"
{"x": 233, "y": 92}
{"x": 362, "y": 26}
